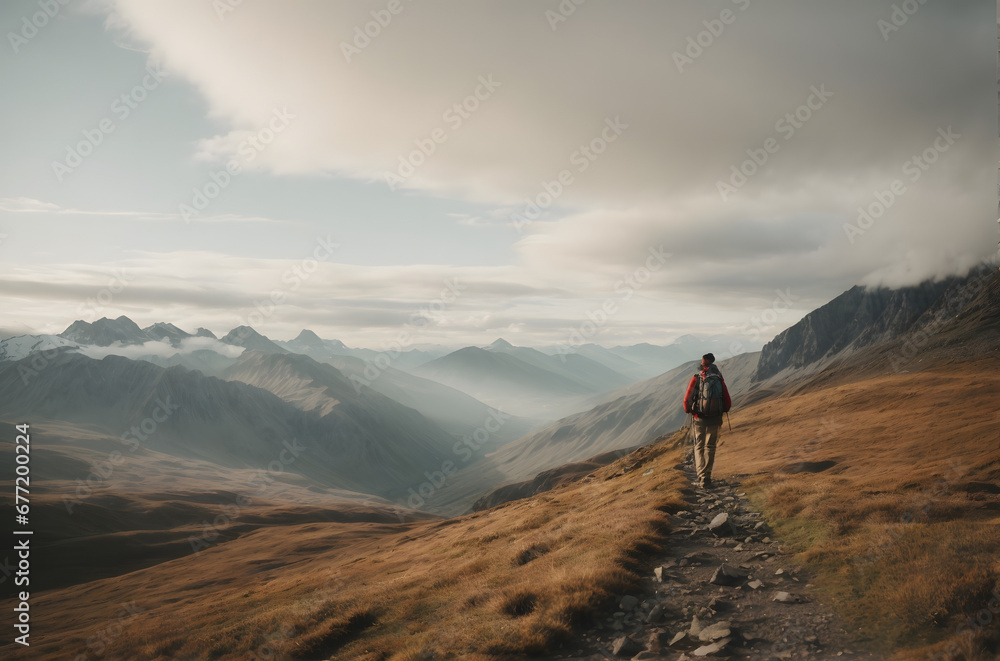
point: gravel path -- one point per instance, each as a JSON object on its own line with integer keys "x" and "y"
{"x": 725, "y": 588}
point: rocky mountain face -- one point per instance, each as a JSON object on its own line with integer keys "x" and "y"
{"x": 248, "y": 338}
{"x": 858, "y": 318}
{"x": 166, "y": 331}
{"x": 105, "y": 332}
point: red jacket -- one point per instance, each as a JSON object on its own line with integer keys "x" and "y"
{"x": 689, "y": 394}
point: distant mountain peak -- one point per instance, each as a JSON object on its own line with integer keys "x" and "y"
{"x": 248, "y": 338}
{"x": 105, "y": 332}
{"x": 500, "y": 344}
{"x": 309, "y": 338}
{"x": 163, "y": 324}
{"x": 166, "y": 331}
{"x": 204, "y": 332}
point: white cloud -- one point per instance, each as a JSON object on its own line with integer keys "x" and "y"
{"x": 25, "y": 205}
{"x": 162, "y": 349}
{"x": 29, "y": 205}
{"x": 558, "y": 87}
{"x": 654, "y": 185}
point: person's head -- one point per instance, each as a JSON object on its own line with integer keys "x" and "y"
{"x": 707, "y": 359}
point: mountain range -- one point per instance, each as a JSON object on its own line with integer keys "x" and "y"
{"x": 375, "y": 428}
{"x": 252, "y": 470}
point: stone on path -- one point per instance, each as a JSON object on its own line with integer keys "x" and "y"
{"x": 628, "y": 603}
{"x": 625, "y": 646}
{"x": 721, "y": 526}
{"x": 714, "y": 648}
{"x": 716, "y": 631}
{"x": 727, "y": 575}
{"x": 655, "y": 614}
{"x": 696, "y": 626}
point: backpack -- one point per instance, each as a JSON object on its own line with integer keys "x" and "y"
{"x": 708, "y": 399}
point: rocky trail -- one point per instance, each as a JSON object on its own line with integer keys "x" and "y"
{"x": 724, "y": 588}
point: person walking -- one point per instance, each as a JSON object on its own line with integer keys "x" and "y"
{"x": 707, "y": 398}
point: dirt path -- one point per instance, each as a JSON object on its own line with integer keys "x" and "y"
{"x": 726, "y": 589}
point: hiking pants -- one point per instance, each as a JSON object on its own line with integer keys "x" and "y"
{"x": 706, "y": 436}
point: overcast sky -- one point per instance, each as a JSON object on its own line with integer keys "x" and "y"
{"x": 412, "y": 134}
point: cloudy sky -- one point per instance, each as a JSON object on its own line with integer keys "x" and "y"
{"x": 502, "y": 168}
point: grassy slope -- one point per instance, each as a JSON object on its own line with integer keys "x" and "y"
{"x": 904, "y": 528}
{"x": 504, "y": 581}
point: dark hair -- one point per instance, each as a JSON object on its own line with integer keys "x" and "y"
{"x": 709, "y": 357}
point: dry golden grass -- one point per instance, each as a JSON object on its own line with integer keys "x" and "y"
{"x": 904, "y": 529}
{"x": 507, "y": 581}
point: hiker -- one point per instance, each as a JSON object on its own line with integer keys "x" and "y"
{"x": 707, "y": 398}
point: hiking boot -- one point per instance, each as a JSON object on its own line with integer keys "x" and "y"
{"x": 707, "y": 483}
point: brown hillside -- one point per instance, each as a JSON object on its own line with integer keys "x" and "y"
{"x": 891, "y": 486}
{"x": 509, "y": 580}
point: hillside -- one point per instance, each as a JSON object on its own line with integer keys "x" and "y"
{"x": 859, "y": 461}
{"x": 453, "y": 410}
{"x": 99, "y": 514}
{"x": 232, "y": 424}
{"x": 592, "y": 375}
{"x": 324, "y": 390}
{"x": 886, "y": 488}
{"x": 629, "y": 417}
{"x": 508, "y": 383}
{"x": 508, "y": 581}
